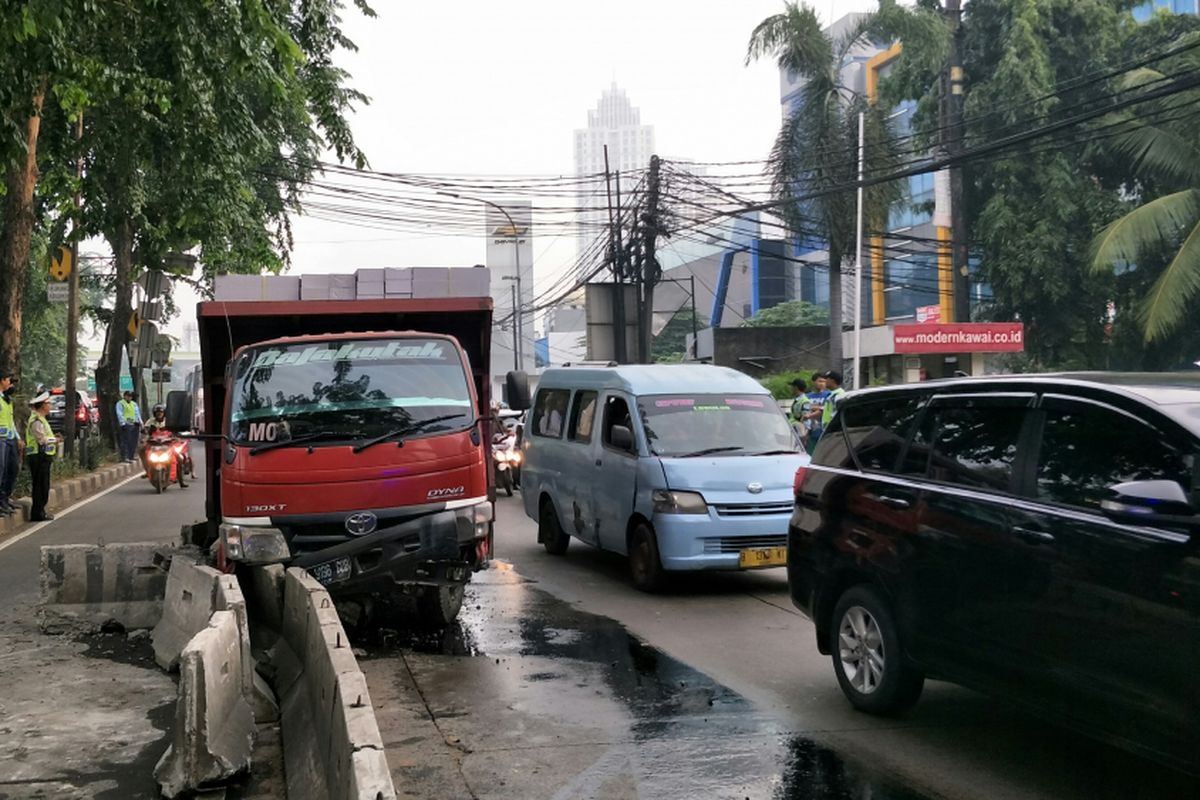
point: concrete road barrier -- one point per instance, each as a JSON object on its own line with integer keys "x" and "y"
{"x": 254, "y": 688}
{"x": 190, "y": 599}
{"x": 213, "y": 734}
{"x": 331, "y": 742}
{"x": 92, "y": 584}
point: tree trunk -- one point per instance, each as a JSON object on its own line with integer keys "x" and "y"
{"x": 108, "y": 371}
{"x": 835, "y": 309}
{"x": 15, "y": 234}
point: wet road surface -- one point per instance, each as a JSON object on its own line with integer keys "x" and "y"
{"x": 529, "y": 697}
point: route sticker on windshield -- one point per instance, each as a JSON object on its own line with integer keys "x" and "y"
{"x": 426, "y": 351}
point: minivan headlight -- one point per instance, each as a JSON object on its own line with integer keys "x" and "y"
{"x": 668, "y": 502}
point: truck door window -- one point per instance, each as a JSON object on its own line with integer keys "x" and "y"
{"x": 583, "y": 413}
{"x": 549, "y": 410}
{"x": 616, "y": 412}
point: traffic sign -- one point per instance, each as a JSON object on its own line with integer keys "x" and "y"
{"x": 60, "y": 266}
{"x": 135, "y": 323}
{"x": 58, "y": 292}
{"x": 160, "y": 376}
{"x": 162, "y": 350}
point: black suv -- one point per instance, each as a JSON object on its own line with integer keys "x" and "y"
{"x": 1033, "y": 536}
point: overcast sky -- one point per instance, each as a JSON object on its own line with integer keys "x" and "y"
{"x": 478, "y": 87}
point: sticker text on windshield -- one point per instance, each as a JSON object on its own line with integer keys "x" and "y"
{"x": 350, "y": 352}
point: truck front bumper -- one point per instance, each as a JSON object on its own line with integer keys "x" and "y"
{"x": 411, "y": 548}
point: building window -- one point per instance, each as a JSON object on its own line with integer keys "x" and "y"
{"x": 909, "y": 283}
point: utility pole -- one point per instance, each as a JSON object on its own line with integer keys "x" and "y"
{"x": 650, "y": 267}
{"x": 73, "y": 302}
{"x": 516, "y": 333}
{"x": 614, "y": 260}
{"x": 858, "y": 260}
{"x": 953, "y": 97}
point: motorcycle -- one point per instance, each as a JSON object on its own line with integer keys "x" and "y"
{"x": 507, "y": 459}
{"x": 183, "y": 457}
{"x": 166, "y": 457}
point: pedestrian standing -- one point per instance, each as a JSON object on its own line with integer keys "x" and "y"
{"x": 833, "y": 379}
{"x": 10, "y": 454}
{"x": 798, "y": 410}
{"x": 129, "y": 417}
{"x": 815, "y": 407}
{"x": 40, "y": 449}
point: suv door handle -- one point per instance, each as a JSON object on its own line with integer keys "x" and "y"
{"x": 895, "y": 502}
{"x": 1033, "y": 536}
{"x": 598, "y": 462}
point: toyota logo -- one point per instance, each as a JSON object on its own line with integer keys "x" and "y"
{"x": 362, "y": 523}
{"x": 754, "y": 488}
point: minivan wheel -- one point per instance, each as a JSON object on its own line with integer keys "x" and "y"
{"x": 550, "y": 533}
{"x": 867, "y": 658}
{"x": 645, "y": 566}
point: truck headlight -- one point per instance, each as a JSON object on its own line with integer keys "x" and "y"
{"x": 254, "y": 545}
{"x": 478, "y": 516}
{"x": 668, "y": 502}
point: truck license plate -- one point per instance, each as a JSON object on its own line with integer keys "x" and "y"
{"x": 331, "y": 571}
{"x": 762, "y": 557}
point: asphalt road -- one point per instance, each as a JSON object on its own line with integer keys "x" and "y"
{"x": 128, "y": 512}
{"x": 741, "y": 631}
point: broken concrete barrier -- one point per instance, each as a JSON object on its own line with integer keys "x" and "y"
{"x": 254, "y": 688}
{"x": 190, "y": 599}
{"x": 213, "y": 734}
{"x": 92, "y": 584}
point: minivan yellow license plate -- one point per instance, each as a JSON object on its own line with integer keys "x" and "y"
{"x": 762, "y": 557}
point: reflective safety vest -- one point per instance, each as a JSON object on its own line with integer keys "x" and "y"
{"x": 831, "y": 406}
{"x": 32, "y": 447}
{"x": 128, "y": 412}
{"x": 8, "y": 425}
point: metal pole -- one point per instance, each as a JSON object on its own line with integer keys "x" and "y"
{"x": 516, "y": 334}
{"x": 620, "y": 348}
{"x": 69, "y": 426}
{"x": 858, "y": 261}
{"x": 695, "y": 324}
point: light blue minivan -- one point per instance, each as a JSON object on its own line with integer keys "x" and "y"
{"x": 678, "y": 466}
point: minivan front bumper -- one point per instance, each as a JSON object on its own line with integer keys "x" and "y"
{"x": 716, "y": 539}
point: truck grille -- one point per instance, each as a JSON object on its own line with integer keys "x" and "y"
{"x": 753, "y": 509}
{"x": 716, "y": 545}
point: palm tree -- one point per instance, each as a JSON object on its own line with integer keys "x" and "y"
{"x": 1164, "y": 155}
{"x": 814, "y": 162}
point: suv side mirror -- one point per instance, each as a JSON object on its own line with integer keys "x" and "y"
{"x": 179, "y": 411}
{"x": 516, "y": 386}
{"x": 1149, "y": 502}
{"x": 621, "y": 438}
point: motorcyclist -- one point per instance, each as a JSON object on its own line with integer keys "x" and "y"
{"x": 156, "y": 428}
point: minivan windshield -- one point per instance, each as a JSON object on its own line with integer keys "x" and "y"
{"x": 348, "y": 390}
{"x": 714, "y": 424}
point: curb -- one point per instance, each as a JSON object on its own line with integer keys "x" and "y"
{"x": 67, "y": 492}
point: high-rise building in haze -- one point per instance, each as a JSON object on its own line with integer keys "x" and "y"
{"x": 616, "y": 123}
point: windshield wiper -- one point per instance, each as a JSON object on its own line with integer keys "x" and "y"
{"x": 708, "y": 451}
{"x": 775, "y": 453}
{"x": 307, "y": 437}
{"x": 413, "y": 428}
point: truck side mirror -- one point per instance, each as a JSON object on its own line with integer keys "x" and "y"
{"x": 516, "y": 385}
{"x": 179, "y": 411}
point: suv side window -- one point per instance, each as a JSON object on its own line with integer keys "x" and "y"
{"x": 583, "y": 413}
{"x": 548, "y": 412}
{"x": 1086, "y": 448}
{"x": 969, "y": 443}
{"x": 878, "y": 429}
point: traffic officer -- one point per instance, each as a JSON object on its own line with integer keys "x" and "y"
{"x": 129, "y": 417}
{"x": 40, "y": 449}
{"x": 10, "y": 457}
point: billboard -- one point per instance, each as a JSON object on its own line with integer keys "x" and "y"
{"x": 960, "y": 337}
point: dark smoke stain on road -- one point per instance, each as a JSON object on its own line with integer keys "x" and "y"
{"x": 666, "y": 730}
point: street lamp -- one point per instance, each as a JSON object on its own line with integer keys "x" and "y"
{"x": 518, "y": 332}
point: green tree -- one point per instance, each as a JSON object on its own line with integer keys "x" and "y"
{"x": 791, "y": 314}
{"x": 815, "y": 156}
{"x": 671, "y": 343}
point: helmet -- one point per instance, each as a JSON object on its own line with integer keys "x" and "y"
{"x": 159, "y": 408}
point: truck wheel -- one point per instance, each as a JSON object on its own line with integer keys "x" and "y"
{"x": 550, "y": 533}
{"x": 437, "y": 607}
{"x": 867, "y": 655}
{"x": 645, "y": 566}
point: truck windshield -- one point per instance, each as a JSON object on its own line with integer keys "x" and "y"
{"x": 714, "y": 424}
{"x": 347, "y": 390}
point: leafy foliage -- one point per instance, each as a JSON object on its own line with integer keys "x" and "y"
{"x": 779, "y": 384}
{"x": 791, "y": 314}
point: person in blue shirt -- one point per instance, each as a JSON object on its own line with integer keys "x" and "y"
{"x": 129, "y": 422}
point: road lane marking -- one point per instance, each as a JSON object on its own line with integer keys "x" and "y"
{"x": 59, "y": 515}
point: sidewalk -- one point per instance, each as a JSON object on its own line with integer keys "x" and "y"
{"x": 64, "y": 493}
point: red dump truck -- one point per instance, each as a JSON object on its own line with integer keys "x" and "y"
{"x": 349, "y": 438}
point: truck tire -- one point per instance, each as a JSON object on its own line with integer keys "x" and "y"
{"x": 439, "y": 607}
{"x": 550, "y": 533}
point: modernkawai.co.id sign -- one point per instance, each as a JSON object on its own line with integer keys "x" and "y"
{"x": 960, "y": 337}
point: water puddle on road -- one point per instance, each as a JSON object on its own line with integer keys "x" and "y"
{"x": 577, "y": 707}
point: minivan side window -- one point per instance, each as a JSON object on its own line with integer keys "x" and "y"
{"x": 616, "y": 412}
{"x": 549, "y": 410}
{"x": 1086, "y": 448}
{"x": 969, "y": 443}
{"x": 878, "y": 429}
{"x": 583, "y": 413}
